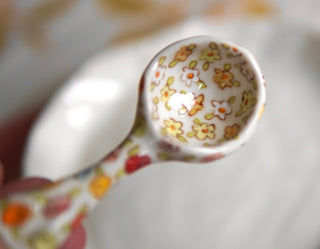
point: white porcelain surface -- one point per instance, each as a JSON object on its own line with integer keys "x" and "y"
{"x": 266, "y": 195}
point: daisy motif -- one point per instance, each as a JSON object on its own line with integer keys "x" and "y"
{"x": 158, "y": 75}
{"x": 204, "y": 131}
{"x": 247, "y": 71}
{"x": 190, "y": 76}
{"x": 221, "y": 109}
{"x": 173, "y": 127}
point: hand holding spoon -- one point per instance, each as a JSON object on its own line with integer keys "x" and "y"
{"x": 200, "y": 99}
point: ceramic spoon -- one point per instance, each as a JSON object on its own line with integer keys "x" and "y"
{"x": 200, "y": 99}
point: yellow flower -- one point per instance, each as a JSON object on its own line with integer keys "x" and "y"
{"x": 43, "y": 240}
{"x": 183, "y": 53}
{"x": 210, "y": 55}
{"x": 166, "y": 93}
{"x": 99, "y": 186}
{"x": 173, "y": 127}
{"x": 197, "y": 106}
{"x": 223, "y": 78}
{"x": 247, "y": 100}
{"x": 231, "y": 132}
{"x": 203, "y": 131}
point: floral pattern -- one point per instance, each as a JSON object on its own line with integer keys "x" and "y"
{"x": 223, "y": 78}
{"x": 182, "y": 54}
{"x": 231, "y": 70}
{"x": 43, "y": 239}
{"x": 221, "y": 109}
{"x": 99, "y": 186}
{"x": 173, "y": 127}
{"x": 197, "y": 106}
{"x": 181, "y": 99}
{"x": 209, "y": 55}
{"x": 190, "y": 76}
{"x": 248, "y": 101}
{"x": 158, "y": 75}
{"x": 166, "y": 93}
{"x": 231, "y": 132}
{"x": 246, "y": 71}
{"x": 202, "y": 130}
{"x": 15, "y": 214}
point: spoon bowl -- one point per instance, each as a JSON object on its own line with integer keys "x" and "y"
{"x": 204, "y": 96}
{"x": 200, "y": 99}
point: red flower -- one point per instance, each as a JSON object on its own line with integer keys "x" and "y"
{"x": 136, "y": 162}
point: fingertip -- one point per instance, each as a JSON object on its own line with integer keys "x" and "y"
{"x": 23, "y": 185}
{"x": 1, "y": 175}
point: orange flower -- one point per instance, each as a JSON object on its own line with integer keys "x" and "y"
{"x": 198, "y": 105}
{"x": 99, "y": 186}
{"x": 223, "y": 78}
{"x": 15, "y": 214}
{"x": 231, "y": 132}
{"x": 183, "y": 53}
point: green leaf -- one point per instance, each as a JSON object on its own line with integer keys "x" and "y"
{"x": 99, "y": 171}
{"x": 161, "y": 60}
{"x": 245, "y": 119}
{"x": 197, "y": 121}
{"x": 74, "y": 192}
{"x": 134, "y": 150}
{"x": 193, "y": 64}
{"x": 155, "y": 100}
{"x": 209, "y": 116}
{"x": 221, "y": 140}
{"x": 183, "y": 92}
{"x": 229, "y": 55}
{"x": 224, "y": 45}
{"x": 227, "y": 66}
{"x": 182, "y": 138}
{"x": 127, "y": 142}
{"x": 201, "y": 85}
{"x": 236, "y": 83}
{"x": 173, "y": 63}
{"x": 232, "y": 99}
{"x": 254, "y": 101}
{"x": 170, "y": 80}
{"x": 205, "y": 66}
{"x": 163, "y": 156}
{"x": 254, "y": 84}
{"x": 192, "y": 46}
{"x": 66, "y": 228}
{"x": 139, "y": 126}
{"x": 120, "y": 173}
{"x": 152, "y": 86}
{"x": 39, "y": 198}
{"x": 191, "y": 134}
{"x": 167, "y": 106}
{"x": 213, "y": 45}
{"x": 237, "y": 65}
{"x": 189, "y": 158}
{"x": 239, "y": 113}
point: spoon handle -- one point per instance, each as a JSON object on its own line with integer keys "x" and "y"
{"x": 48, "y": 215}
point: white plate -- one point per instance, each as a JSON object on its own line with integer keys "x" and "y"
{"x": 267, "y": 195}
